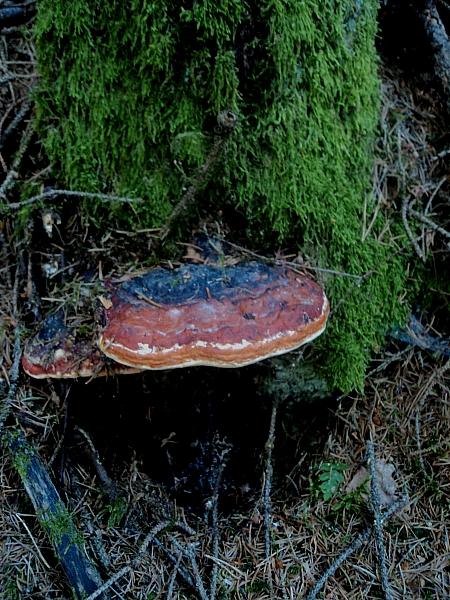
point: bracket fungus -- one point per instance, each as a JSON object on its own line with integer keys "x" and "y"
{"x": 195, "y": 315}
{"x": 60, "y": 352}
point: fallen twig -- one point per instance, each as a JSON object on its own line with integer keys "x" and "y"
{"x": 427, "y": 221}
{"x": 378, "y": 520}
{"x": 104, "y": 587}
{"x": 173, "y": 578}
{"x": 108, "y": 484}
{"x": 53, "y": 516}
{"x": 195, "y": 582}
{"x": 5, "y": 406}
{"x": 214, "y": 508}
{"x": 227, "y": 121}
{"x": 13, "y": 172}
{"x": 14, "y": 371}
{"x": 21, "y": 114}
{"x": 52, "y": 194}
{"x": 405, "y": 209}
{"x": 440, "y": 44}
{"x": 267, "y": 489}
{"x": 357, "y": 543}
{"x": 422, "y": 396}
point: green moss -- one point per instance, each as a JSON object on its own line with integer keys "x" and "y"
{"x": 127, "y": 102}
{"x": 60, "y": 527}
{"x": 116, "y": 510}
{"x": 22, "y": 455}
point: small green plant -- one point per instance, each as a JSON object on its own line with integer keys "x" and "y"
{"x": 353, "y": 502}
{"x": 115, "y": 511}
{"x": 328, "y": 480}
{"x": 11, "y": 589}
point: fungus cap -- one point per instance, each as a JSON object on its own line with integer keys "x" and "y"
{"x": 212, "y": 316}
{"x": 56, "y": 351}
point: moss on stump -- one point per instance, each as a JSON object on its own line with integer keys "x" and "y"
{"x": 127, "y": 102}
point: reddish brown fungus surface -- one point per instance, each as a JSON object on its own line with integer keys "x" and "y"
{"x": 58, "y": 351}
{"x": 202, "y": 315}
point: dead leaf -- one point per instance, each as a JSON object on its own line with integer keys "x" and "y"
{"x": 193, "y": 254}
{"x": 386, "y": 483}
{"x": 106, "y": 302}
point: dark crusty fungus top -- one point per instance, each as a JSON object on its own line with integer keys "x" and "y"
{"x": 58, "y": 351}
{"x": 203, "y": 315}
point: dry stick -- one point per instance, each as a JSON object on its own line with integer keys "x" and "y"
{"x": 108, "y": 483}
{"x": 423, "y": 395}
{"x": 267, "y": 488}
{"x": 173, "y": 578}
{"x": 103, "y": 588}
{"x": 21, "y": 114}
{"x": 281, "y": 262}
{"x": 215, "y": 525}
{"x": 17, "y": 353}
{"x": 150, "y": 537}
{"x": 440, "y": 43}
{"x": 188, "y": 552}
{"x": 12, "y": 173}
{"x": 51, "y": 194}
{"x": 181, "y": 570}
{"x": 378, "y": 520}
{"x": 13, "y": 379}
{"x": 357, "y": 543}
{"x": 53, "y": 516}
{"x": 227, "y": 121}
{"x": 427, "y": 221}
{"x": 409, "y": 233}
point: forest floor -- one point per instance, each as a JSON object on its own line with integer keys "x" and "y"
{"x": 178, "y": 489}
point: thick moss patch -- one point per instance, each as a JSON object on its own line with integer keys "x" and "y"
{"x": 127, "y": 102}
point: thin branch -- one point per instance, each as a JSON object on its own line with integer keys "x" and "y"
{"x": 188, "y": 552}
{"x": 409, "y": 233}
{"x": 267, "y": 489}
{"x": 378, "y": 520}
{"x": 227, "y": 122}
{"x": 14, "y": 371}
{"x": 108, "y": 483}
{"x": 12, "y": 174}
{"x": 103, "y": 588}
{"x": 149, "y": 538}
{"x": 52, "y": 194}
{"x": 357, "y": 543}
{"x": 215, "y": 523}
{"x": 173, "y": 578}
{"x": 21, "y": 114}
{"x": 422, "y": 396}
{"x": 293, "y": 265}
{"x": 13, "y": 379}
{"x": 427, "y": 221}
